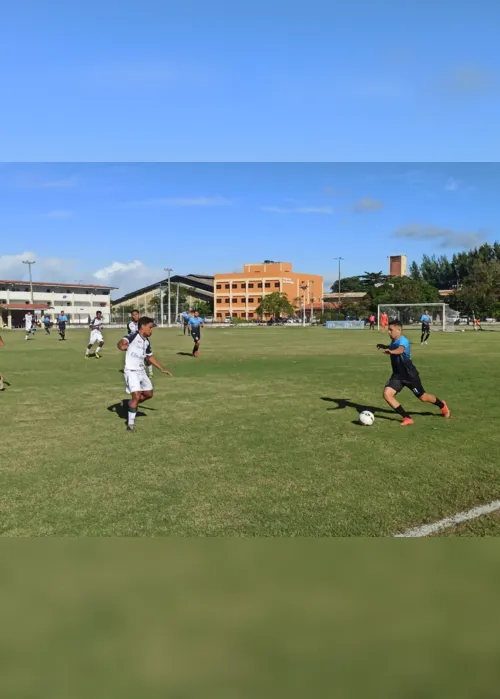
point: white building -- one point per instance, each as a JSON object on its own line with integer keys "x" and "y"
{"x": 78, "y": 301}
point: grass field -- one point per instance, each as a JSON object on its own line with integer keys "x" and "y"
{"x": 256, "y": 437}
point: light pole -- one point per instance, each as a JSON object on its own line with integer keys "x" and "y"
{"x": 303, "y": 287}
{"x": 177, "y": 303}
{"x": 339, "y": 259}
{"x": 312, "y": 303}
{"x": 161, "y": 305}
{"x": 29, "y": 263}
{"x": 168, "y": 269}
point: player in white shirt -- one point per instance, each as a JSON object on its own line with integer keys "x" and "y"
{"x": 28, "y": 322}
{"x": 137, "y": 382}
{"x": 133, "y": 327}
{"x": 96, "y": 336}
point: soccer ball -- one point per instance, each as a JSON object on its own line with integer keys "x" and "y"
{"x": 366, "y": 418}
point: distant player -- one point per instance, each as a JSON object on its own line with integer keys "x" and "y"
{"x": 133, "y": 327}
{"x": 186, "y": 317}
{"x": 2, "y": 345}
{"x": 426, "y": 327}
{"x": 28, "y": 324}
{"x": 46, "y": 324}
{"x": 62, "y": 319}
{"x": 96, "y": 337}
{"x": 384, "y": 321}
{"x": 371, "y": 320}
{"x": 138, "y": 384}
{"x": 405, "y": 374}
{"x": 196, "y": 324}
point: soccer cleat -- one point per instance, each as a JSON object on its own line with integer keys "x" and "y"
{"x": 97, "y": 355}
{"x": 445, "y": 411}
{"x": 407, "y": 421}
{"x": 87, "y": 356}
{"x": 130, "y": 428}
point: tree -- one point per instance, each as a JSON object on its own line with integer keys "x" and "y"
{"x": 203, "y": 307}
{"x": 415, "y": 271}
{"x": 276, "y": 305}
{"x": 403, "y": 290}
{"x": 369, "y": 279}
{"x": 480, "y": 292}
{"x": 348, "y": 284}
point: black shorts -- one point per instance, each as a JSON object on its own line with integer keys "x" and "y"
{"x": 196, "y": 335}
{"x": 397, "y": 384}
{"x": 426, "y": 328}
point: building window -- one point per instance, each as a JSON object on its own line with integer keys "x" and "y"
{"x": 259, "y": 285}
{"x": 250, "y": 300}
{"x": 227, "y": 300}
{"x": 250, "y": 315}
{"x": 235, "y": 286}
{"x": 219, "y": 286}
{"x": 27, "y": 288}
{"x": 243, "y": 285}
{"x": 227, "y": 286}
{"x": 276, "y": 285}
{"x": 219, "y": 300}
{"x": 250, "y": 286}
{"x": 219, "y": 315}
{"x": 49, "y": 291}
{"x": 259, "y": 299}
{"x": 235, "y": 315}
{"x": 268, "y": 285}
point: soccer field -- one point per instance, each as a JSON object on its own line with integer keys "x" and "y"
{"x": 256, "y": 437}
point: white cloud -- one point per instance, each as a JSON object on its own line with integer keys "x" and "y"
{"x": 127, "y": 276}
{"x": 179, "y": 202}
{"x": 368, "y": 204}
{"x": 298, "y": 210}
{"x": 117, "y": 268}
{"x": 444, "y": 237}
{"x": 61, "y": 213}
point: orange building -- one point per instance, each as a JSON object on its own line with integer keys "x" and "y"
{"x": 237, "y": 295}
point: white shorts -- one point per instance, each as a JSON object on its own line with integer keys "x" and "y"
{"x": 95, "y": 336}
{"x": 137, "y": 381}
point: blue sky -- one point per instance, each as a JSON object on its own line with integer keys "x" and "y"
{"x": 280, "y": 80}
{"x": 122, "y": 224}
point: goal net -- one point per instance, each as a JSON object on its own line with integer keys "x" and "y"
{"x": 443, "y": 317}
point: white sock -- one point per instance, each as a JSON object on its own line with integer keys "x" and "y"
{"x": 131, "y": 416}
{"x": 87, "y": 352}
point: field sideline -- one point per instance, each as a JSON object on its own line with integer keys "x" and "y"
{"x": 256, "y": 437}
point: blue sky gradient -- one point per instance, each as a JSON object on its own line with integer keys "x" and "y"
{"x": 206, "y": 80}
{"x": 122, "y": 224}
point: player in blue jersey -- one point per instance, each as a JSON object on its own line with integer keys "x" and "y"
{"x": 196, "y": 324}
{"x": 405, "y": 374}
{"x": 185, "y": 321}
{"x": 426, "y": 327}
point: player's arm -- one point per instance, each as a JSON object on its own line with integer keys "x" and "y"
{"x": 398, "y": 350}
{"x": 123, "y": 344}
{"x": 152, "y": 360}
{"x": 383, "y": 347}
{"x": 2, "y": 344}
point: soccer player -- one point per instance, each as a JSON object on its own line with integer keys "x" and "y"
{"x": 133, "y": 327}
{"x": 95, "y": 336}
{"x": 405, "y": 374}
{"x": 62, "y": 319}
{"x": 195, "y": 324}
{"x": 384, "y": 321}
{"x": 185, "y": 321}
{"x": 28, "y": 323}
{"x": 138, "y": 385}
{"x": 2, "y": 344}
{"x": 371, "y": 320}
{"x": 426, "y": 327}
{"x": 46, "y": 324}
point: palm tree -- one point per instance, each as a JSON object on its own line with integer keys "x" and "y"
{"x": 374, "y": 278}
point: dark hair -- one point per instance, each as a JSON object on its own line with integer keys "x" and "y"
{"x": 134, "y": 311}
{"x": 396, "y": 323}
{"x": 145, "y": 321}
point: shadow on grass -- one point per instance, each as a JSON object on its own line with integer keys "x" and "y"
{"x": 121, "y": 409}
{"x": 185, "y": 354}
{"x": 343, "y": 403}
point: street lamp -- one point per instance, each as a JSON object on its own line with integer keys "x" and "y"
{"x": 29, "y": 263}
{"x": 303, "y": 287}
{"x": 339, "y": 259}
{"x": 168, "y": 269}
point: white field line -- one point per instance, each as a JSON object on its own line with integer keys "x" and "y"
{"x": 474, "y": 513}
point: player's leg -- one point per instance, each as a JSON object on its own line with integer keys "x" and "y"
{"x": 430, "y": 398}
{"x": 98, "y": 351}
{"x": 132, "y": 410}
{"x": 146, "y": 395}
{"x": 1, "y": 383}
{"x": 391, "y": 389}
{"x": 89, "y": 348}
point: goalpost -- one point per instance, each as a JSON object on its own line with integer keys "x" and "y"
{"x": 409, "y": 314}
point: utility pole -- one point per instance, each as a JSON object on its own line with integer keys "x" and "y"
{"x": 177, "y": 303}
{"x": 311, "y": 318}
{"x": 161, "y": 305}
{"x": 29, "y": 263}
{"x": 339, "y": 259}
{"x": 303, "y": 287}
{"x": 169, "y": 269}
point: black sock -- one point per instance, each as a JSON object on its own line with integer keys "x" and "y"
{"x": 401, "y": 411}
{"x": 427, "y": 337}
{"x": 422, "y": 337}
{"x": 439, "y": 403}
